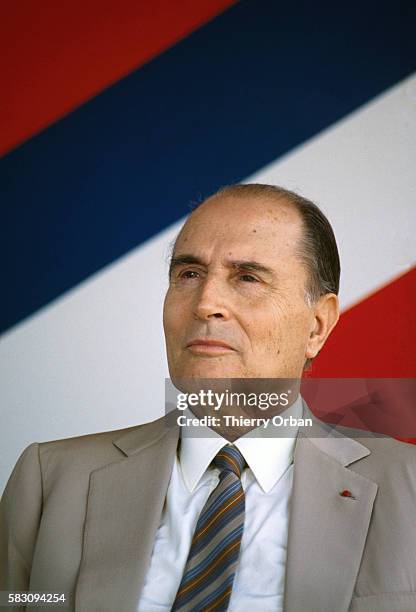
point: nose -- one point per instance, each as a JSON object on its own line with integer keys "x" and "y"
{"x": 211, "y": 301}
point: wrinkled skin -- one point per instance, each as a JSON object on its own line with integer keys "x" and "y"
{"x": 259, "y": 311}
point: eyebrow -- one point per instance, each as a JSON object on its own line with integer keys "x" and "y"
{"x": 254, "y": 266}
{"x": 242, "y": 264}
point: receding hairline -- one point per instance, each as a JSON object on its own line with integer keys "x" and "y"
{"x": 272, "y": 198}
{"x": 265, "y": 198}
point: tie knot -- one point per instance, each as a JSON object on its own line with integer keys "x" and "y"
{"x": 230, "y": 459}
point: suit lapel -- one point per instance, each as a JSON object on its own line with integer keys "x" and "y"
{"x": 327, "y": 531}
{"x": 125, "y": 503}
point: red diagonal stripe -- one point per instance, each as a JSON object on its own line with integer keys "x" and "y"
{"x": 375, "y": 338}
{"x": 56, "y": 55}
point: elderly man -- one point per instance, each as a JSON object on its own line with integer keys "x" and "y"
{"x": 150, "y": 519}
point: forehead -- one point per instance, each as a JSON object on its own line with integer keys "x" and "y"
{"x": 241, "y": 226}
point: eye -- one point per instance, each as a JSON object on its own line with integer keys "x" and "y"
{"x": 248, "y": 278}
{"x": 189, "y": 274}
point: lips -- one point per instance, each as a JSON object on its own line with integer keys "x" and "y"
{"x": 209, "y": 346}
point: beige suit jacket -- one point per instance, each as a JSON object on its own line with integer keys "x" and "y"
{"x": 80, "y": 516}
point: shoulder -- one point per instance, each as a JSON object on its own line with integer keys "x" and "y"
{"x": 76, "y": 457}
{"x": 389, "y": 448}
{"x": 96, "y": 444}
{"x": 390, "y": 463}
{"x": 84, "y": 443}
{"x": 385, "y": 451}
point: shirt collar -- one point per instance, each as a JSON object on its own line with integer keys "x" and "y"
{"x": 268, "y": 457}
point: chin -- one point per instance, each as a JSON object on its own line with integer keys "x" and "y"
{"x": 208, "y": 371}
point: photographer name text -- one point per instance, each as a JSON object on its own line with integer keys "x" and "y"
{"x": 230, "y": 420}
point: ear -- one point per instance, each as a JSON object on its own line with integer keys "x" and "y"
{"x": 325, "y": 316}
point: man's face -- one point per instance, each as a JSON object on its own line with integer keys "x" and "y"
{"x": 235, "y": 307}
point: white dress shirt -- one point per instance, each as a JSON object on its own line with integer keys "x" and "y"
{"x": 267, "y": 482}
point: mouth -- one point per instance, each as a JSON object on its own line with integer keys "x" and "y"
{"x": 203, "y": 346}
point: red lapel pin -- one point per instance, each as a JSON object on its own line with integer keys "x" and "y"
{"x": 346, "y": 493}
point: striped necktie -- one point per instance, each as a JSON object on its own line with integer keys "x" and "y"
{"x": 209, "y": 572}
